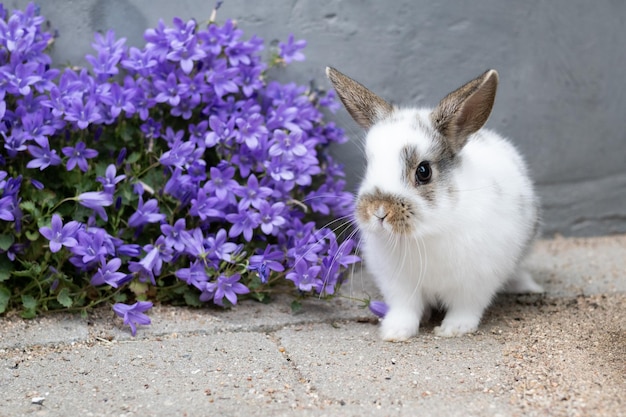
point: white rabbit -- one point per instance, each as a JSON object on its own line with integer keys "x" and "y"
{"x": 446, "y": 210}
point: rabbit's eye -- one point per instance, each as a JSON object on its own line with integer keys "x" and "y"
{"x": 423, "y": 173}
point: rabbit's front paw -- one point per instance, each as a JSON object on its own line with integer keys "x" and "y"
{"x": 398, "y": 327}
{"x": 456, "y": 327}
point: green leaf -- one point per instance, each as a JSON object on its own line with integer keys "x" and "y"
{"x": 192, "y": 299}
{"x": 28, "y": 314}
{"x": 32, "y": 235}
{"x": 29, "y": 302}
{"x": 126, "y": 133}
{"x": 6, "y": 266}
{"x": 120, "y": 297}
{"x": 138, "y": 288}
{"x": 6, "y": 241}
{"x": 296, "y": 307}
{"x": 64, "y": 298}
{"x": 133, "y": 157}
{"x": 33, "y": 270}
{"x": 29, "y": 206}
{"x": 261, "y": 297}
{"x": 5, "y": 296}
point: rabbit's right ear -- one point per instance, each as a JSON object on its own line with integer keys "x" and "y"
{"x": 365, "y": 107}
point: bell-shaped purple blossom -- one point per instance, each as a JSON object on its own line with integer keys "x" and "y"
{"x": 194, "y": 275}
{"x": 107, "y": 273}
{"x": 91, "y": 248}
{"x": 379, "y": 308}
{"x": 290, "y": 145}
{"x": 173, "y": 234}
{"x": 78, "y": 156}
{"x": 271, "y": 217}
{"x": 169, "y": 90}
{"x": 223, "y": 79}
{"x": 221, "y": 183}
{"x": 96, "y": 200}
{"x": 226, "y": 287}
{"x": 270, "y": 259}
{"x": 305, "y": 277}
{"x": 43, "y": 156}
{"x": 244, "y": 222}
{"x": 290, "y": 50}
{"x": 252, "y": 194}
{"x": 206, "y": 207}
{"x": 133, "y": 314}
{"x": 186, "y": 52}
{"x": 219, "y": 247}
{"x": 60, "y": 235}
{"x": 83, "y": 114}
{"x": 147, "y": 212}
{"x": 110, "y": 179}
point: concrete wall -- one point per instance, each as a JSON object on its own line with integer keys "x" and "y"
{"x": 562, "y": 96}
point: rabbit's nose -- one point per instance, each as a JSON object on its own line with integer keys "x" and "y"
{"x": 381, "y": 213}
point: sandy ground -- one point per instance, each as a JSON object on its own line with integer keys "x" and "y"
{"x": 558, "y": 354}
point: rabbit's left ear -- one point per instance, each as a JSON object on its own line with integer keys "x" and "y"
{"x": 365, "y": 107}
{"x": 465, "y": 110}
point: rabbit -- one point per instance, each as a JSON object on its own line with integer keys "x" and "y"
{"x": 446, "y": 210}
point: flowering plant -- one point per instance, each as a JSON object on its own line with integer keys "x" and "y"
{"x": 172, "y": 173}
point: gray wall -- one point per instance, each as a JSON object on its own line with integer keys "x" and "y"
{"x": 562, "y": 96}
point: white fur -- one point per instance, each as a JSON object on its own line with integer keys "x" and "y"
{"x": 461, "y": 251}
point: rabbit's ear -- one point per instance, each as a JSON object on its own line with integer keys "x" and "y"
{"x": 464, "y": 111}
{"x": 365, "y": 107}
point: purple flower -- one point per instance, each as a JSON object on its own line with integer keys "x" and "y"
{"x": 224, "y": 80}
{"x": 194, "y": 275}
{"x": 43, "y": 157}
{"x": 119, "y": 98}
{"x": 148, "y": 266}
{"x": 186, "y": 52}
{"x": 146, "y": 213}
{"x": 253, "y": 194}
{"x": 304, "y": 277}
{"x": 251, "y": 130}
{"x": 107, "y": 273}
{"x": 60, "y": 235}
{"x": 110, "y": 179}
{"x": 156, "y": 255}
{"x": 221, "y": 183}
{"x": 173, "y": 234}
{"x": 133, "y": 314}
{"x": 245, "y": 221}
{"x": 290, "y": 145}
{"x": 91, "y": 248}
{"x": 194, "y": 243}
{"x": 178, "y": 154}
{"x": 221, "y": 131}
{"x": 218, "y": 246}
{"x": 96, "y": 200}
{"x": 379, "y": 308}
{"x": 226, "y": 287}
{"x": 206, "y": 207}
{"x": 82, "y": 113}
{"x": 342, "y": 254}
{"x": 271, "y": 217}
{"x": 78, "y": 155}
{"x": 169, "y": 90}
{"x": 269, "y": 260}
{"x": 290, "y": 51}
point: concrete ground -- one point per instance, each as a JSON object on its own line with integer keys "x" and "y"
{"x": 559, "y": 354}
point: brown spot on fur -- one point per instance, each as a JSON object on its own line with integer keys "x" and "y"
{"x": 392, "y": 209}
{"x": 441, "y": 161}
